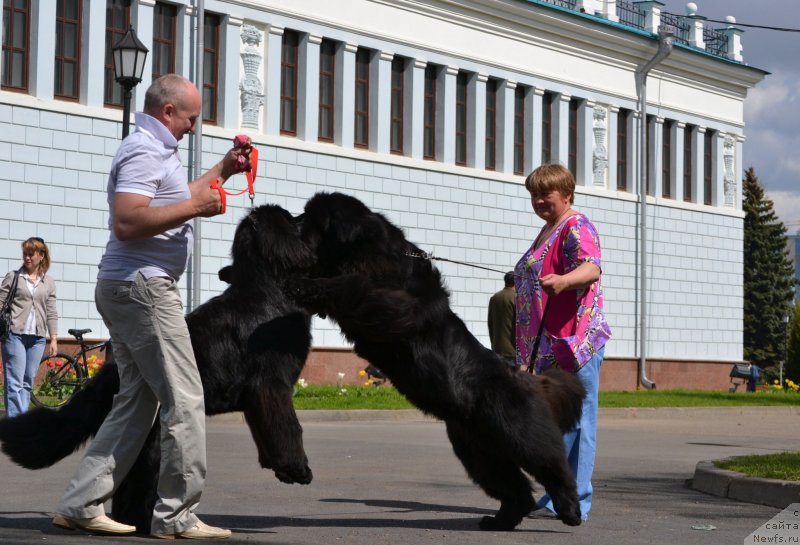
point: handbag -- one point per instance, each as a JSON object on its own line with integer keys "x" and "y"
{"x": 5, "y": 312}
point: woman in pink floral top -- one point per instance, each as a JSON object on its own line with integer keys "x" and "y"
{"x": 561, "y": 271}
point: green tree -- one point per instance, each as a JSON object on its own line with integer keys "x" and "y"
{"x": 792, "y": 370}
{"x": 768, "y": 278}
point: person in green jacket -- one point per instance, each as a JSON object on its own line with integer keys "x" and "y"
{"x": 502, "y": 321}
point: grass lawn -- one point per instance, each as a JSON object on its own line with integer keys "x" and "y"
{"x": 784, "y": 465}
{"x": 697, "y": 398}
{"x": 316, "y": 397}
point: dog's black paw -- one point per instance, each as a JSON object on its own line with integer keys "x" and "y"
{"x": 496, "y": 524}
{"x": 305, "y": 293}
{"x": 571, "y": 518}
{"x": 294, "y": 475}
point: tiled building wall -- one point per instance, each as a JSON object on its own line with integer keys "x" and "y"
{"x": 54, "y": 168}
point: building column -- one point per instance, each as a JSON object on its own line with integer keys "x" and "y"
{"x": 585, "y": 152}
{"x": 93, "y": 57}
{"x": 718, "y": 172}
{"x": 476, "y": 131}
{"x": 43, "y": 42}
{"x": 698, "y": 184}
{"x": 308, "y": 88}
{"x": 533, "y": 122}
{"x": 446, "y": 134}
{"x": 678, "y": 129}
{"x": 612, "y": 153}
{"x": 272, "y": 86}
{"x": 415, "y": 133}
{"x": 344, "y": 124}
{"x": 560, "y": 151}
{"x": 229, "y": 103}
{"x": 505, "y": 127}
{"x": 380, "y": 98}
{"x": 655, "y": 130}
{"x": 738, "y": 170}
{"x": 142, "y": 19}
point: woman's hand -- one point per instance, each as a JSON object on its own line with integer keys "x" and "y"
{"x": 53, "y": 346}
{"x": 585, "y": 275}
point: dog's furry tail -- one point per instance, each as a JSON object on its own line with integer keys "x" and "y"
{"x": 564, "y": 394}
{"x": 41, "y": 437}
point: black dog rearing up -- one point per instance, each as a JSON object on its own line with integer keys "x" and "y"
{"x": 251, "y": 343}
{"x": 394, "y": 309}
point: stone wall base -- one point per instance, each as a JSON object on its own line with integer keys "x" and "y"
{"x": 324, "y": 365}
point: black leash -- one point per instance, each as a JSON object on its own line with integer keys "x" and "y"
{"x": 536, "y": 341}
{"x": 538, "y": 337}
{"x": 431, "y": 257}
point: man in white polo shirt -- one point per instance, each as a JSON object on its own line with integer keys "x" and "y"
{"x": 151, "y": 207}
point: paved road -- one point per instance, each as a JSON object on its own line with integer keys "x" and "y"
{"x": 397, "y": 482}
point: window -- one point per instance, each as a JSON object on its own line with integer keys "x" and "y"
{"x": 67, "y": 80}
{"x": 461, "y": 119}
{"x": 398, "y": 90}
{"x": 211, "y": 57}
{"x": 491, "y": 124}
{"x": 572, "y": 145}
{"x": 118, "y": 19}
{"x": 708, "y": 166}
{"x": 688, "y": 163}
{"x": 327, "y": 76}
{"x": 623, "y": 117}
{"x": 519, "y": 130}
{"x": 289, "y": 51}
{"x": 163, "y": 54}
{"x": 429, "y": 114}
{"x": 666, "y": 159}
{"x": 547, "y": 127}
{"x": 362, "y": 98}
{"x": 16, "y": 44}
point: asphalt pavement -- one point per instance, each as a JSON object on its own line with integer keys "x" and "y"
{"x": 391, "y": 479}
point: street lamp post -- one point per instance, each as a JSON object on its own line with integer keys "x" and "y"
{"x": 129, "y": 55}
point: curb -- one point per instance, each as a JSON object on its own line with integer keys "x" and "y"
{"x": 710, "y": 479}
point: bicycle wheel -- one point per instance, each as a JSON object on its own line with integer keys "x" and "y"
{"x": 57, "y": 379}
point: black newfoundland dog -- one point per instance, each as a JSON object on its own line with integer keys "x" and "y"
{"x": 250, "y": 342}
{"x": 395, "y": 310}
{"x": 341, "y": 260}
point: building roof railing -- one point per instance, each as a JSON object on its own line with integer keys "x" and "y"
{"x": 689, "y": 30}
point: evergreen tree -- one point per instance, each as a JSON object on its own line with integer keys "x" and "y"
{"x": 792, "y": 370}
{"x": 768, "y": 278}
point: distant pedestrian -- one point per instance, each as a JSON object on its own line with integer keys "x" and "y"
{"x": 33, "y": 316}
{"x": 502, "y": 321}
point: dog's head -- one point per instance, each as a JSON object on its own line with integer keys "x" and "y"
{"x": 268, "y": 240}
{"x": 346, "y": 236}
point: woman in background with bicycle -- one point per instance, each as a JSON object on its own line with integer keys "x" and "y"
{"x": 33, "y": 316}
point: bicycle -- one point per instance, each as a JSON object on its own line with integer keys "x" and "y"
{"x": 61, "y": 375}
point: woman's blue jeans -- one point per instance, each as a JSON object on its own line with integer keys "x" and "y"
{"x": 580, "y": 444}
{"x": 21, "y": 357}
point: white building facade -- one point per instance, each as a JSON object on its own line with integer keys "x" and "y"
{"x": 431, "y": 112}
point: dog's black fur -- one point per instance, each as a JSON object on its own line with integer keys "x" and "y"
{"x": 250, "y": 342}
{"x": 395, "y": 310}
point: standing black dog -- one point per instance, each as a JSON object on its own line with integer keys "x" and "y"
{"x": 250, "y": 342}
{"x": 394, "y": 308}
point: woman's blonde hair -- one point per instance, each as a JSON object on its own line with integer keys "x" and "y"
{"x": 551, "y": 177}
{"x": 36, "y": 244}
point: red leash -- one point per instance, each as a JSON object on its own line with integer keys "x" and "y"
{"x": 250, "y": 169}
